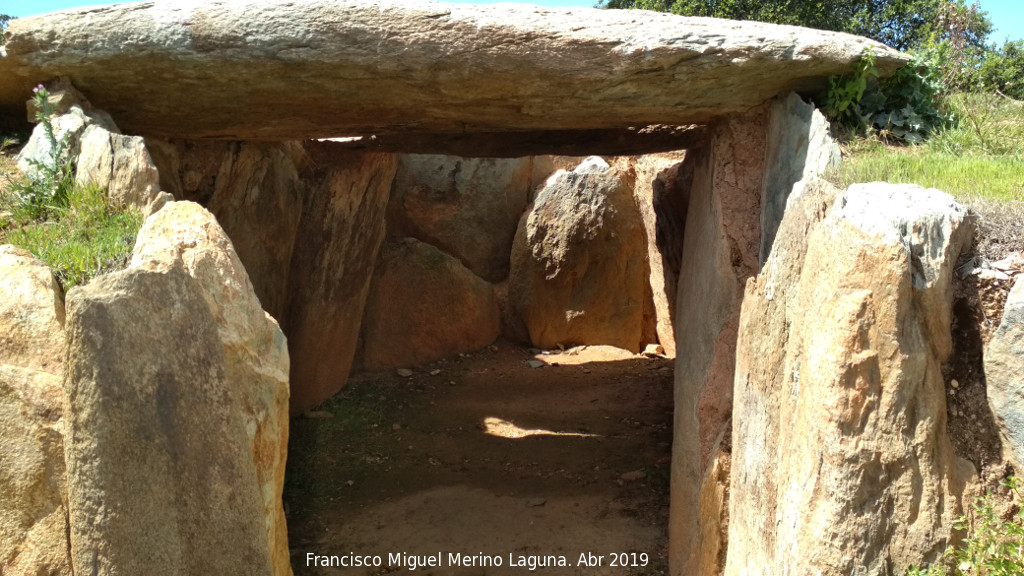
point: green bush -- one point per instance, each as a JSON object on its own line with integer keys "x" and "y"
{"x": 992, "y": 547}
{"x": 908, "y": 107}
{"x": 1003, "y": 70}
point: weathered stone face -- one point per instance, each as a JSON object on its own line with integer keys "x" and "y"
{"x": 98, "y": 152}
{"x": 1004, "y": 374}
{"x": 798, "y": 146}
{"x": 719, "y": 254}
{"x": 182, "y": 235}
{"x": 467, "y": 207}
{"x": 161, "y": 479}
{"x": 33, "y": 509}
{"x": 120, "y": 164}
{"x": 579, "y": 263}
{"x": 307, "y": 221}
{"x": 841, "y": 459}
{"x": 290, "y": 71}
{"x": 336, "y": 248}
{"x": 662, "y": 191}
{"x": 254, "y": 190}
{"x": 423, "y": 306}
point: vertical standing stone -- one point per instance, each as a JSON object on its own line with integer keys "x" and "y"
{"x": 340, "y": 236}
{"x": 33, "y": 485}
{"x": 161, "y": 480}
{"x": 841, "y": 459}
{"x": 719, "y": 254}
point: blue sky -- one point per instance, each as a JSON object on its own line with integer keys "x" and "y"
{"x": 1007, "y": 15}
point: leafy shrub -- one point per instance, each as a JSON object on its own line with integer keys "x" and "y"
{"x": 908, "y": 107}
{"x": 1003, "y": 70}
{"x": 993, "y": 547}
{"x": 842, "y": 101}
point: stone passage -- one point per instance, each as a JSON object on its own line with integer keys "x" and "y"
{"x": 704, "y": 250}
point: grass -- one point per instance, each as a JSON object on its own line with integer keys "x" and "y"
{"x": 980, "y": 161}
{"x": 84, "y": 240}
{"x": 981, "y": 157}
{"x": 994, "y": 178}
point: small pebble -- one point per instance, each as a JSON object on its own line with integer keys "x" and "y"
{"x": 634, "y": 475}
{"x": 404, "y": 372}
{"x": 435, "y": 372}
{"x": 954, "y": 383}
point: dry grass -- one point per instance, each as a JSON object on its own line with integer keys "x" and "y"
{"x": 1000, "y": 226}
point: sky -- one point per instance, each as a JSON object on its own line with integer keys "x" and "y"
{"x": 1006, "y": 15}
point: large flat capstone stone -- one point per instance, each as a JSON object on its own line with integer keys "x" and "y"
{"x": 244, "y": 69}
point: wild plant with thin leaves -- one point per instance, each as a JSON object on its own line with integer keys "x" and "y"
{"x": 993, "y": 547}
{"x": 51, "y": 179}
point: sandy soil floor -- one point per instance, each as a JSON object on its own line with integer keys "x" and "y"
{"x": 487, "y": 457}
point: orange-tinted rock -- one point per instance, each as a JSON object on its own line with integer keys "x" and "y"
{"x": 339, "y": 238}
{"x": 579, "y": 264}
{"x": 183, "y": 235}
{"x": 33, "y": 508}
{"x": 719, "y": 254}
{"x": 467, "y": 207}
{"x": 424, "y": 305}
{"x": 662, "y": 191}
{"x": 842, "y": 462}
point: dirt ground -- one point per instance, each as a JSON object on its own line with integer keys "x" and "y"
{"x": 977, "y": 311}
{"x": 484, "y": 455}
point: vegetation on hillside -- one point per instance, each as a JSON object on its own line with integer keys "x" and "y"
{"x": 4, "y": 21}
{"x": 70, "y": 227}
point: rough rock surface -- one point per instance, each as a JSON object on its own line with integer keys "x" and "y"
{"x": 254, "y": 190}
{"x": 467, "y": 207}
{"x": 67, "y": 127}
{"x": 339, "y": 238}
{"x": 841, "y": 460}
{"x": 709, "y": 559}
{"x": 579, "y": 264}
{"x": 33, "y": 513}
{"x": 662, "y": 191}
{"x": 307, "y": 221}
{"x": 161, "y": 477}
{"x": 119, "y": 163}
{"x": 423, "y": 306}
{"x": 182, "y": 235}
{"x": 99, "y": 152}
{"x": 799, "y": 147}
{"x": 720, "y": 246}
{"x": 1004, "y": 375}
{"x": 246, "y": 70}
